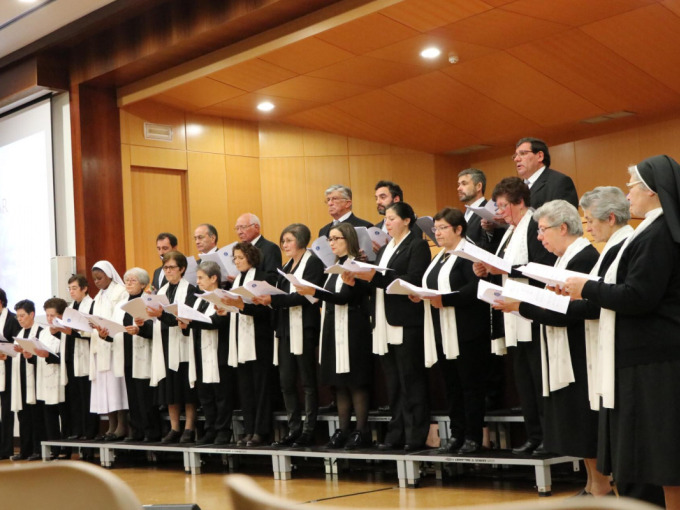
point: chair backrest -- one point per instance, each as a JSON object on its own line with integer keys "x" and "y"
{"x": 66, "y": 485}
{"x": 246, "y": 494}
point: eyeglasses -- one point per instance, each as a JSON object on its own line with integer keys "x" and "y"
{"x": 502, "y": 207}
{"x": 521, "y": 154}
{"x": 631, "y": 185}
{"x": 441, "y": 228}
{"x": 329, "y": 200}
{"x": 334, "y": 239}
{"x": 240, "y": 228}
{"x": 541, "y": 230}
{"x": 170, "y": 268}
{"x": 132, "y": 280}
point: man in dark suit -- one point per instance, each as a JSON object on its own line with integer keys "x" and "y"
{"x": 9, "y": 327}
{"x": 471, "y": 188}
{"x": 386, "y": 193}
{"x": 205, "y": 237}
{"x": 339, "y": 202}
{"x": 532, "y": 160}
{"x": 248, "y": 230}
{"x": 165, "y": 242}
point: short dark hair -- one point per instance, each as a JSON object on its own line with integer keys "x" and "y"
{"x": 537, "y": 145}
{"x": 211, "y": 230}
{"x": 351, "y": 238}
{"x": 514, "y": 189}
{"x": 81, "y": 279}
{"x": 26, "y": 305}
{"x": 476, "y": 175}
{"x": 251, "y": 252}
{"x": 58, "y": 304}
{"x": 300, "y": 232}
{"x": 177, "y": 257}
{"x": 170, "y": 237}
{"x": 404, "y": 211}
{"x": 393, "y": 187}
{"x": 3, "y": 298}
{"x": 453, "y": 217}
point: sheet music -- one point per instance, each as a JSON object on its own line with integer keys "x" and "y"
{"x": 113, "y": 327}
{"x": 551, "y": 275}
{"x": 190, "y": 273}
{"x": 489, "y": 293}
{"x": 137, "y": 307}
{"x": 322, "y": 249}
{"x": 8, "y": 349}
{"x": 225, "y": 258}
{"x": 354, "y": 266}
{"x": 365, "y": 242}
{"x": 294, "y": 280}
{"x": 536, "y": 296}
{"x": 182, "y": 311}
{"x": 215, "y": 297}
{"x": 75, "y": 319}
{"x": 379, "y": 236}
{"x": 426, "y": 223}
{"x": 403, "y": 288}
{"x": 31, "y": 344}
{"x": 486, "y": 212}
{"x": 471, "y": 252}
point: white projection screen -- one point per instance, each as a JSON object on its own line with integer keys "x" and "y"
{"x": 27, "y": 229}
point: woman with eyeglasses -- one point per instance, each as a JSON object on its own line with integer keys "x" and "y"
{"x": 173, "y": 364}
{"x": 298, "y": 323}
{"x": 519, "y": 246}
{"x": 345, "y": 349}
{"x": 251, "y": 339}
{"x": 457, "y": 333}
{"x": 398, "y": 331}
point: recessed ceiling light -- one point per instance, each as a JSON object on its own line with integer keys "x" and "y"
{"x": 430, "y": 52}
{"x": 265, "y": 106}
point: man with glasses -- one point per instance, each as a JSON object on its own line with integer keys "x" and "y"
{"x": 248, "y": 230}
{"x": 339, "y": 202}
{"x": 532, "y": 160}
{"x": 205, "y": 237}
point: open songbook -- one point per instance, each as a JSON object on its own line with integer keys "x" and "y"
{"x": 551, "y": 275}
{"x": 404, "y": 288}
{"x": 471, "y": 252}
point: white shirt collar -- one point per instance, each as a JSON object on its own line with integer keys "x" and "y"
{"x": 532, "y": 180}
{"x": 343, "y": 218}
{"x": 255, "y": 240}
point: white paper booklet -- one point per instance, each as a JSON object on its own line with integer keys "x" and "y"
{"x": 471, "y": 252}
{"x": 301, "y": 282}
{"x": 489, "y": 293}
{"x": 486, "y": 212}
{"x": 182, "y": 311}
{"x": 225, "y": 258}
{"x": 379, "y": 236}
{"x": 113, "y": 327}
{"x": 551, "y": 275}
{"x": 536, "y": 296}
{"x": 403, "y": 288}
{"x": 354, "y": 266}
{"x": 31, "y": 344}
{"x": 137, "y": 307}
{"x": 190, "y": 273}
{"x": 426, "y": 223}
{"x": 8, "y": 349}
{"x": 322, "y": 249}
{"x": 215, "y": 297}
{"x": 254, "y": 289}
{"x": 365, "y": 242}
{"x": 76, "y": 320}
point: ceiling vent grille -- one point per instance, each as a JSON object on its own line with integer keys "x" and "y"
{"x": 157, "y": 132}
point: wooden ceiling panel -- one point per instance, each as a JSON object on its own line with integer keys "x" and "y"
{"x": 408, "y": 51}
{"x": 424, "y": 15}
{"x": 672, "y": 5}
{"x": 252, "y": 75}
{"x": 657, "y": 27}
{"x": 370, "y": 72}
{"x": 313, "y": 89}
{"x": 596, "y": 73}
{"x": 307, "y": 55}
{"x": 463, "y": 107}
{"x": 574, "y": 12}
{"x": 367, "y": 34}
{"x": 407, "y": 125}
{"x": 523, "y": 89}
{"x": 199, "y": 94}
{"x": 244, "y": 107}
{"x": 499, "y": 29}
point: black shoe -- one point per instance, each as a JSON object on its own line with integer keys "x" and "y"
{"x": 358, "y": 439}
{"x": 73, "y": 438}
{"x": 223, "y": 437}
{"x": 112, "y": 438}
{"x": 244, "y": 440}
{"x": 287, "y": 441}
{"x": 470, "y": 446}
{"x": 18, "y": 456}
{"x": 388, "y": 446}
{"x": 540, "y": 451}
{"x": 305, "y": 439}
{"x": 172, "y": 437}
{"x": 452, "y": 446}
{"x": 330, "y": 408}
{"x": 208, "y": 438}
{"x": 414, "y": 447}
{"x": 187, "y": 436}
{"x": 338, "y": 439}
{"x": 35, "y": 456}
{"x": 526, "y": 449}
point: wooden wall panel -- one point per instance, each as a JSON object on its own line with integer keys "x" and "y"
{"x": 204, "y": 133}
{"x": 320, "y": 173}
{"x": 128, "y": 220}
{"x": 137, "y": 114}
{"x": 364, "y": 173}
{"x": 241, "y": 138}
{"x": 446, "y": 169}
{"x": 358, "y": 147}
{"x": 284, "y": 198}
{"x": 603, "y": 160}
{"x": 158, "y": 158}
{"x": 320, "y": 143}
{"x": 280, "y": 140}
{"x": 662, "y": 138}
{"x": 244, "y": 192}
{"x": 207, "y": 193}
{"x": 415, "y": 174}
{"x": 161, "y": 207}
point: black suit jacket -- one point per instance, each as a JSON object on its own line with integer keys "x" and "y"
{"x": 156, "y": 281}
{"x": 553, "y": 185}
{"x": 263, "y": 318}
{"x": 352, "y": 220}
{"x": 486, "y": 240}
{"x": 10, "y": 330}
{"x": 409, "y": 263}
{"x": 271, "y": 259}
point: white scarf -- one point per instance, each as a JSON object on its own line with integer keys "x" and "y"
{"x": 447, "y": 314}
{"x": 295, "y": 313}
{"x": 3, "y": 320}
{"x": 606, "y": 367}
{"x": 16, "y": 403}
{"x": 242, "y": 347}
{"x": 556, "y": 366}
{"x": 593, "y": 326}
{"x": 517, "y": 329}
{"x": 105, "y": 303}
{"x": 180, "y": 348}
{"x": 341, "y": 330}
{"x": 209, "y": 341}
{"x": 141, "y": 351}
{"x": 81, "y": 346}
{"x": 384, "y": 333}
{"x": 51, "y": 377}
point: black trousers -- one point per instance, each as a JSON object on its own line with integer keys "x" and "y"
{"x": 145, "y": 418}
{"x": 82, "y": 422}
{"x": 31, "y": 428}
{"x": 406, "y": 378}
{"x": 290, "y": 365}
{"x": 464, "y": 380}
{"x": 526, "y": 359}
{"x": 7, "y": 416}
{"x": 254, "y": 382}
{"x": 217, "y": 400}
